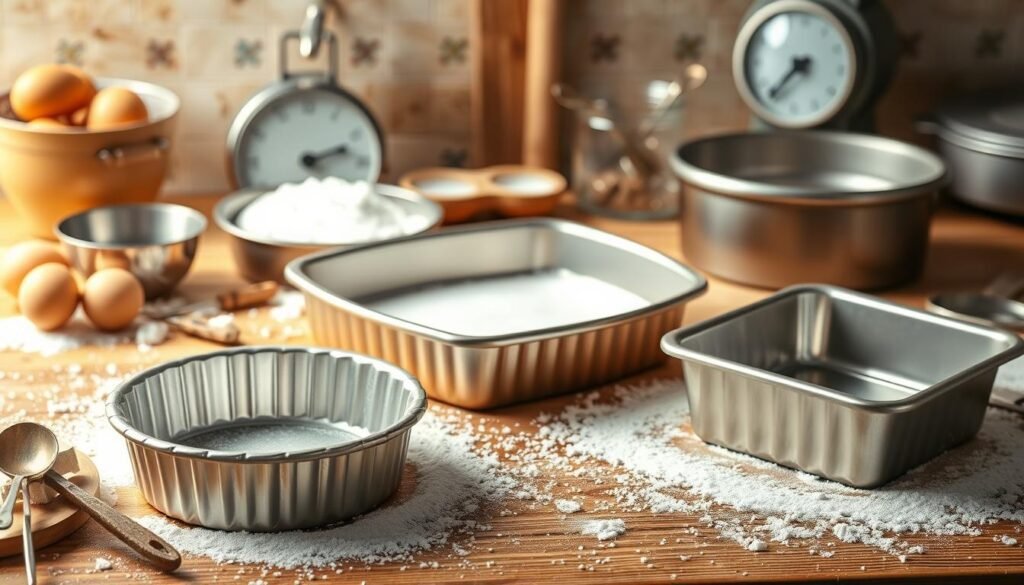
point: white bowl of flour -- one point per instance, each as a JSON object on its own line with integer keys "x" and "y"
{"x": 271, "y": 228}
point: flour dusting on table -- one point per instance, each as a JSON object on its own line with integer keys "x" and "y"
{"x": 667, "y": 469}
{"x": 452, "y": 484}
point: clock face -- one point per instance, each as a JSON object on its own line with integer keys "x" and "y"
{"x": 798, "y": 68}
{"x": 306, "y": 132}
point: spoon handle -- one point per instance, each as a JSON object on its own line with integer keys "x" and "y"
{"x": 26, "y": 536}
{"x": 156, "y": 550}
{"x": 7, "y": 509}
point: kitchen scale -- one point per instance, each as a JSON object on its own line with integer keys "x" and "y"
{"x": 814, "y": 63}
{"x": 304, "y": 125}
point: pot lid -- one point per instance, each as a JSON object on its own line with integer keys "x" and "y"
{"x": 994, "y": 118}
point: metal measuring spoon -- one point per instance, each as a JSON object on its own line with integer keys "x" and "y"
{"x": 27, "y": 452}
{"x": 980, "y": 308}
{"x": 144, "y": 541}
{"x": 993, "y": 306}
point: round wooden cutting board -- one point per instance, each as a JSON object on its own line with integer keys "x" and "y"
{"x": 55, "y": 520}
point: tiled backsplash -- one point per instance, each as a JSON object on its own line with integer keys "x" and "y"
{"x": 409, "y": 59}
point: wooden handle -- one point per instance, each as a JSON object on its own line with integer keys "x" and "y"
{"x": 198, "y": 327}
{"x": 156, "y": 550}
{"x": 250, "y": 296}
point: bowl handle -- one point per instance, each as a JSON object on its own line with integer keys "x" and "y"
{"x": 124, "y": 154}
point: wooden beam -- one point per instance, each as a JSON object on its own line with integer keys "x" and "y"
{"x": 498, "y": 60}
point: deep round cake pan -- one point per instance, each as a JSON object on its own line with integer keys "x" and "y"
{"x": 779, "y": 208}
{"x": 268, "y": 438}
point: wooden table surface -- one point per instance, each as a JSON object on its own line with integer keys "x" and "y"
{"x": 967, "y": 250}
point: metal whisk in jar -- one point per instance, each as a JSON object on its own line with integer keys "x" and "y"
{"x": 619, "y": 159}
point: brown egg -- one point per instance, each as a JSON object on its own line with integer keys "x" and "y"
{"x": 22, "y": 258}
{"x": 112, "y": 259}
{"x": 116, "y": 107}
{"x": 50, "y": 124}
{"x": 47, "y": 91}
{"x": 112, "y": 298}
{"x": 79, "y": 117}
{"x": 48, "y": 296}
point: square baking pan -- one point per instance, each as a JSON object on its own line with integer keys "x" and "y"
{"x": 499, "y": 312}
{"x": 839, "y": 384}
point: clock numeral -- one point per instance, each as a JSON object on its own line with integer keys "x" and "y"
{"x": 257, "y": 134}
{"x": 308, "y": 106}
{"x": 815, "y": 105}
{"x": 254, "y": 162}
{"x": 282, "y": 114}
{"x": 363, "y": 162}
{"x": 335, "y": 113}
{"x": 356, "y": 134}
{"x": 831, "y": 90}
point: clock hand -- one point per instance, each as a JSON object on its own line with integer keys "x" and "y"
{"x": 309, "y": 159}
{"x": 800, "y": 65}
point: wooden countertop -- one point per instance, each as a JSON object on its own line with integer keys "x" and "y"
{"x": 968, "y": 249}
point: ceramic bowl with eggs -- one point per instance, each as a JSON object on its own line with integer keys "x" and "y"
{"x": 67, "y": 145}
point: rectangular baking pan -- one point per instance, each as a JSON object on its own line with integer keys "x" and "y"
{"x": 506, "y": 332}
{"x": 839, "y": 384}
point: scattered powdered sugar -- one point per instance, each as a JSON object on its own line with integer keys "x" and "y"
{"x": 604, "y": 529}
{"x": 151, "y": 333}
{"x": 102, "y": 564}
{"x": 673, "y": 471}
{"x": 568, "y": 506}
{"x": 287, "y": 305}
{"x": 757, "y": 545}
{"x": 19, "y": 334}
{"x": 452, "y": 483}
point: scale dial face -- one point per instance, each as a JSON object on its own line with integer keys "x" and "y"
{"x": 795, "y": 64}
{"x": 289, "y": 132}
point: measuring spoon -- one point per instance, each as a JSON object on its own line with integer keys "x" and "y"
{"x": 993, "y": 306}
{"x": 27, "y": 452}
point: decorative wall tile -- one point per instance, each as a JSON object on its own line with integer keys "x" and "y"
{"x": 24, "y": 12}
{"x": 91, "y": 12}
{"x": 409, "y": 60}
{"x": 215, "y": 52}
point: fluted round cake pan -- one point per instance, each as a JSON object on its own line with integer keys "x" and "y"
{"x": 268, "y": 438}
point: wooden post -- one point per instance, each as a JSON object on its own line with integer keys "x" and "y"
{"x": 543, "y": 66}
{"x": 498, "y": 60}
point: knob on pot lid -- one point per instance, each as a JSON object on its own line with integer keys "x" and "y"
{"x": 990, "y": 122}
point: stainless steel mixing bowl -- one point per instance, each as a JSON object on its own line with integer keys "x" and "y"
{"x": 155, "y": 241}
{"x": 779, "y": 208}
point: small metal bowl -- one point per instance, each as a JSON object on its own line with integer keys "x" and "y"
{"x": 155, "y": 241}
{"x": 262, "y": 438}
{"x": 260, "y": 259}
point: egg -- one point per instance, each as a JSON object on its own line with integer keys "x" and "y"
{"x": 112, "y": 259}
{"x": 116, "y": 107}
{"x": 79, "y": 117}
{"x": 112, "y": 298}
{"x": 49, "y": 124}
{"x": 47, "y": 91}
{"x": 48, "y": 296}
{"x": 22, "y": 258}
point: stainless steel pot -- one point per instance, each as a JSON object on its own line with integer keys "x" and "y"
{"x": 774, "y": 209}
{"x": 981, "y": 137}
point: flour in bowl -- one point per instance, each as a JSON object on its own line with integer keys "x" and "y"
{"x": 328, "y": 211}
